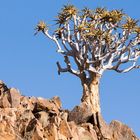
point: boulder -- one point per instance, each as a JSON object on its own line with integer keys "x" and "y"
{"x": 121, "y": 131}
{"x": 43, "y": 118}
{"x": 14, "y": 97}
{"x": 4, "y": 102}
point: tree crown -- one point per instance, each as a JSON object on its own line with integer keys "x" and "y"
{"x": 97, "y": 40}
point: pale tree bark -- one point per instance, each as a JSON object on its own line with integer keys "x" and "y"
{"x": 89, "y": 109}
{"x": 91, "y": 96}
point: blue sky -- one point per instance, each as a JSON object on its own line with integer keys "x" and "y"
{"x": 28, "y": 62}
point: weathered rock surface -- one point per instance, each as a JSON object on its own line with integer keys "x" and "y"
{"x": 30, "y": 118}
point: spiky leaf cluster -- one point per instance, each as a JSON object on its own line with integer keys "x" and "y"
{"x": 130, "y": 24}
{"x": 41, "y": 26}
{"x": 113, "y": 16}
{"x": 66, "y": 13}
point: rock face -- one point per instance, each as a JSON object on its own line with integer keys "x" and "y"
{"x": 30, "y": 118}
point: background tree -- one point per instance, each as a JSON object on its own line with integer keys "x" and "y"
{"x": 94, "y": 41}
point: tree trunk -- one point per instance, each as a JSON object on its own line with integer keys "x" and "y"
{"x": 91, "y": 93}
{"x": 89, "y": 109}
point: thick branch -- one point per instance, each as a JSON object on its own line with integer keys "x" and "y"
{"x": 68, "y": 68}
{"x": 55, "y": 40}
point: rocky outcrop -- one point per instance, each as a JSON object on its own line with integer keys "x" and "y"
{"x": 30, "y": 118}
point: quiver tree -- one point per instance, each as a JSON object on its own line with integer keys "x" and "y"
{"x": 95, "y": 41}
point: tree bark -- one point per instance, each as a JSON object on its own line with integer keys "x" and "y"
{"x": 89, "y": 109}
{"x": 91, "y": 93}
